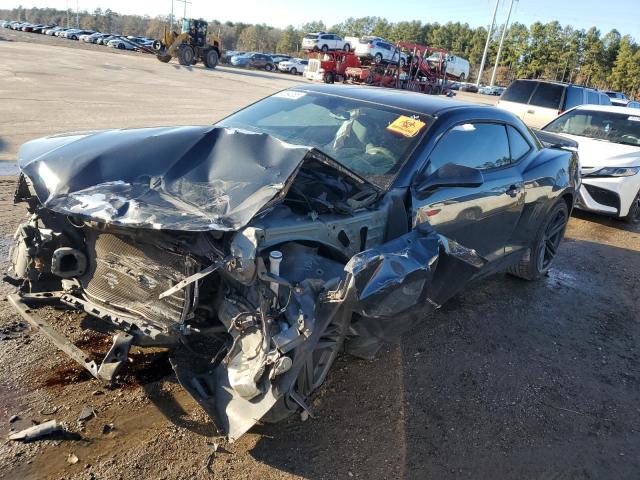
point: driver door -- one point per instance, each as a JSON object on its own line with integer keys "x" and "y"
{"x": 480, "y": 217}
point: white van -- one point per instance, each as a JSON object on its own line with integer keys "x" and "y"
{"x": 537, "y": 102}
{"x": 457, "y": 67}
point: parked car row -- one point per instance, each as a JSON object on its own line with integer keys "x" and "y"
{"x": 89, "y": 36}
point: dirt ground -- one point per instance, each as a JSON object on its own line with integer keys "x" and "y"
{"x": 508, "y": 380}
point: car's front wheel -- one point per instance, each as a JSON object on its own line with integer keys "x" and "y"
{"x": 293, "y": 71}
{"x": 545, "y": 245}
{"x": 633, "y": 217}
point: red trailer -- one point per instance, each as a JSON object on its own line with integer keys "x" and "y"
{"x": 330, "y": 66}
{"x": 424, "y": 72}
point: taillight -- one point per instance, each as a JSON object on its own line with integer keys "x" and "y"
{"x": 370, "y": 46}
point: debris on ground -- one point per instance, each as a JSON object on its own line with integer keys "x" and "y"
{"x": 87, "y": 414}
{"x": 212, "y": 456}
{"x": 108, "y": 427}
{"x": 50, "y": 410}
{"x": 14, "y": 418}
{"x": 36, "y": 431}
{"x": 72, "y": 459}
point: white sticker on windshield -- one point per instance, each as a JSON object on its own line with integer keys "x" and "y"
{"x": 290, "y": 94}
{"x": 634, "y": 119}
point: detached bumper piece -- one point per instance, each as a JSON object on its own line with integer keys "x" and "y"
{"x": 112, "y": 362}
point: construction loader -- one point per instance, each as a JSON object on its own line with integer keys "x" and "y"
{"x": 190, "y": 46}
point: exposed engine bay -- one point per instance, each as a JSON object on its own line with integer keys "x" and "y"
{"x": 254, "y": 276}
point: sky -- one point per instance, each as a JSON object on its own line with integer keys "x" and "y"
{"x": 624, "y": 15}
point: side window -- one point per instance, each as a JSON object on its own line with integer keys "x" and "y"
{"x": 519, "y": 91}
{"x": 477, "y": 145}
{"x": 519, "y": 145}
{"x": 592, "y": 97}
{"x": 547, "y": 95}
{"x": 574, "y": 98}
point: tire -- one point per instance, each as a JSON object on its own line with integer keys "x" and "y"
{"x": 163, "y": 57}
{"x": 633, "y": 217}
{"x": 268, "y": 67}
{"x": 323, "y": 357}
{"x": 185, "y": 55}
{"x": 324, "y": 49}
{"x": 347, "y": 47}
{"x": 329, "y": 77}
{"x": 293, "y": 71}
{"x": 377, "y": 59}
{"x": 211, "y": 59}
{"x": 402, "y": 63}
{"x": 544, "y": 246}
{"x": 121, "y": 46}
{"x": 462, "y": 77}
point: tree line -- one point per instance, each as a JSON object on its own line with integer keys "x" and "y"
{"x": 547, "y": 51}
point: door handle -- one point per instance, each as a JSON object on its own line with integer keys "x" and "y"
{"x": 512, "y": 191}
{"x": 531, "y": 111}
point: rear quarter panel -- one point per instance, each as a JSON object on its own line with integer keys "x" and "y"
{"x": 550, "y": 175}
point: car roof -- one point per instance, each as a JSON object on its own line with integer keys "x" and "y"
{"x": 556, "y": 82}
{"x": 609, "y": 108}
{"x": 413, "y": 101}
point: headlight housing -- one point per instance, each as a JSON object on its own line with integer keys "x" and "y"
{"x": 615, "y": 172}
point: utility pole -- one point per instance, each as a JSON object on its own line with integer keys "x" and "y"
{"x": 486, "y": 45}
{"x": 77, "y": 17}
{"x": 504, "y": 33}
{"x": 184, "y": 2}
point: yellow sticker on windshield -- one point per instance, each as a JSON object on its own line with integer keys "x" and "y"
{"x": 406, "y": 126}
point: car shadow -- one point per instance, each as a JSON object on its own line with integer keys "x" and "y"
{"x": 605, "y": 220}
{"x": 242, "y": 72}
{"x": 509, "y": 379}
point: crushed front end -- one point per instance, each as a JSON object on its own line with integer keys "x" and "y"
{"x": 254, "y": 272}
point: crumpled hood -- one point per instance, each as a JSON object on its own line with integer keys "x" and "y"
{"x": 193, "y": 178}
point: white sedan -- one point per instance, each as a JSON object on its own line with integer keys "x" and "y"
{"x": 609, "y": 149}
{"x": 294, "y": 66}
{"x": 121, "y": 44}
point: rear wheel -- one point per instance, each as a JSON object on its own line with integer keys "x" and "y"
{"x": 462, "y": 77}
{"x": 163, "y": 57}
{"x": 377, "y": 58}
{"x": 347, "y": 47}
{"x": 211, "y": 59}
{"x": 329, "y": 77}
{"x": 633, "y": 217}
{"x": 325, "y": 48}
{"x": 545, "y": 246}
{"x": 186, "y": 55}
{"x": 293, "y": 71}
{"x": 268, "y": 67}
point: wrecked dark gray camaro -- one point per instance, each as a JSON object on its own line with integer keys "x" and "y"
{"x": 255, "y": 249}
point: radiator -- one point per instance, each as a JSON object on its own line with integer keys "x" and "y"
{"x": 128, "y": 276}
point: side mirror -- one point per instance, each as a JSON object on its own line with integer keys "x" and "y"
{"x": 450, "y": 175}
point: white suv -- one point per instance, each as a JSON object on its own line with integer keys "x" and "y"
{"x": 379, "y": 50}
{"x": 324, "y": 42}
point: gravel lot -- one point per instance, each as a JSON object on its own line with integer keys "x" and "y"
{"x": 508, "y": 380}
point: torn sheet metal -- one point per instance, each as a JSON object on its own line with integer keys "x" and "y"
{"x": 393, "y": 287}
{"x": 178, "y": 178}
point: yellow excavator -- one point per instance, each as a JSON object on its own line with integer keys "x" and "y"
{"x": 190, "y": 46}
